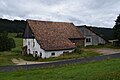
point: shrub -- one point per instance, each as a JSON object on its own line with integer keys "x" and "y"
{"x": 77, "y": 50}
{"x": 6, "y": 44}
{"x": 12, "y": 42}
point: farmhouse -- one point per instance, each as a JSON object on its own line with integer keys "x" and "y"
{"x": 91, "y": 37}
{"x": 46, "y": 39}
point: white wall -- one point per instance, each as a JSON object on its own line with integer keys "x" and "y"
{"x": 29, "y": 43}
{"x": 45, "y": 54}
{"x": 57, "y": 53}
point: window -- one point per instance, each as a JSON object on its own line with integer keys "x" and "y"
{"x": 88, "y": 40}
{"x": 28, "y": 42}
{"x": 40, "y": 55}
{"x": 33, "y": 43}
{"x": 36, "y": 52}
{"x": 52, "y": 54}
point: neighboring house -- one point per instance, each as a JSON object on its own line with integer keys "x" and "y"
{"x": 92, "y": 38}
{"x": 50, "y": 39}
{"x": 106, "y": 33}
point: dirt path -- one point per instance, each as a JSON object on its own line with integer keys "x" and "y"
{"x": 23, "y": 62}
{"x": 106, "y": 51}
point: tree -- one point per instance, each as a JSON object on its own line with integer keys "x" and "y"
{"x": 11, "y": 43}
{"x": 6, "y": 44}
{"x": 116, "y": 30}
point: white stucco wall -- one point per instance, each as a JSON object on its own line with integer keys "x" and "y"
{"x": 45, "y": 54}
{"x": 57, "y": 53}
{"x": 33, "y": 46}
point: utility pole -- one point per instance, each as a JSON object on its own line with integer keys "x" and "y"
{"x": 26, "y": 72}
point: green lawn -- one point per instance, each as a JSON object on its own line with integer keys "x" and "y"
{"x": 104, "y": 70}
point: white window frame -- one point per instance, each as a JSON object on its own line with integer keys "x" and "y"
{"x": 88, "y": 43}
{"x": 88, "y": 38}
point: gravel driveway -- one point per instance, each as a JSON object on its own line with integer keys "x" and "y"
{"x": 106, "y": 51}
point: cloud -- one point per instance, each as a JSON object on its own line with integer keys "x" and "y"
{"x": 90, "y": 12}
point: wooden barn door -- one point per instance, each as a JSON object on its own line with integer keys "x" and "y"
{"x": 24, "y": 50}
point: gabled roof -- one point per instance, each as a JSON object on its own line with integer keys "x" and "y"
{"x": 54, "y": 35}
{"x": 89, "y": 28}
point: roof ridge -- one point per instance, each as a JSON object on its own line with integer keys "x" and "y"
{"x": 49, "y": 21}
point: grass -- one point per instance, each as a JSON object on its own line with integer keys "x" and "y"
{"x": 104, "y": 70}
{"x": 5, "y": 58}
{"x": 18, "y": 42}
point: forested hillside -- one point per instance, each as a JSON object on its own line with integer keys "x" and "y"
{"x": 18, "y": 26}
{"x": 105, "y": 32}
{"x": 15, "y": 26}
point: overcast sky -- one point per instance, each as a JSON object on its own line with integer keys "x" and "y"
{"x": 100, "y": 13}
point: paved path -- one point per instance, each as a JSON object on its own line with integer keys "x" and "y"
{"x": 58, "y": 63}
